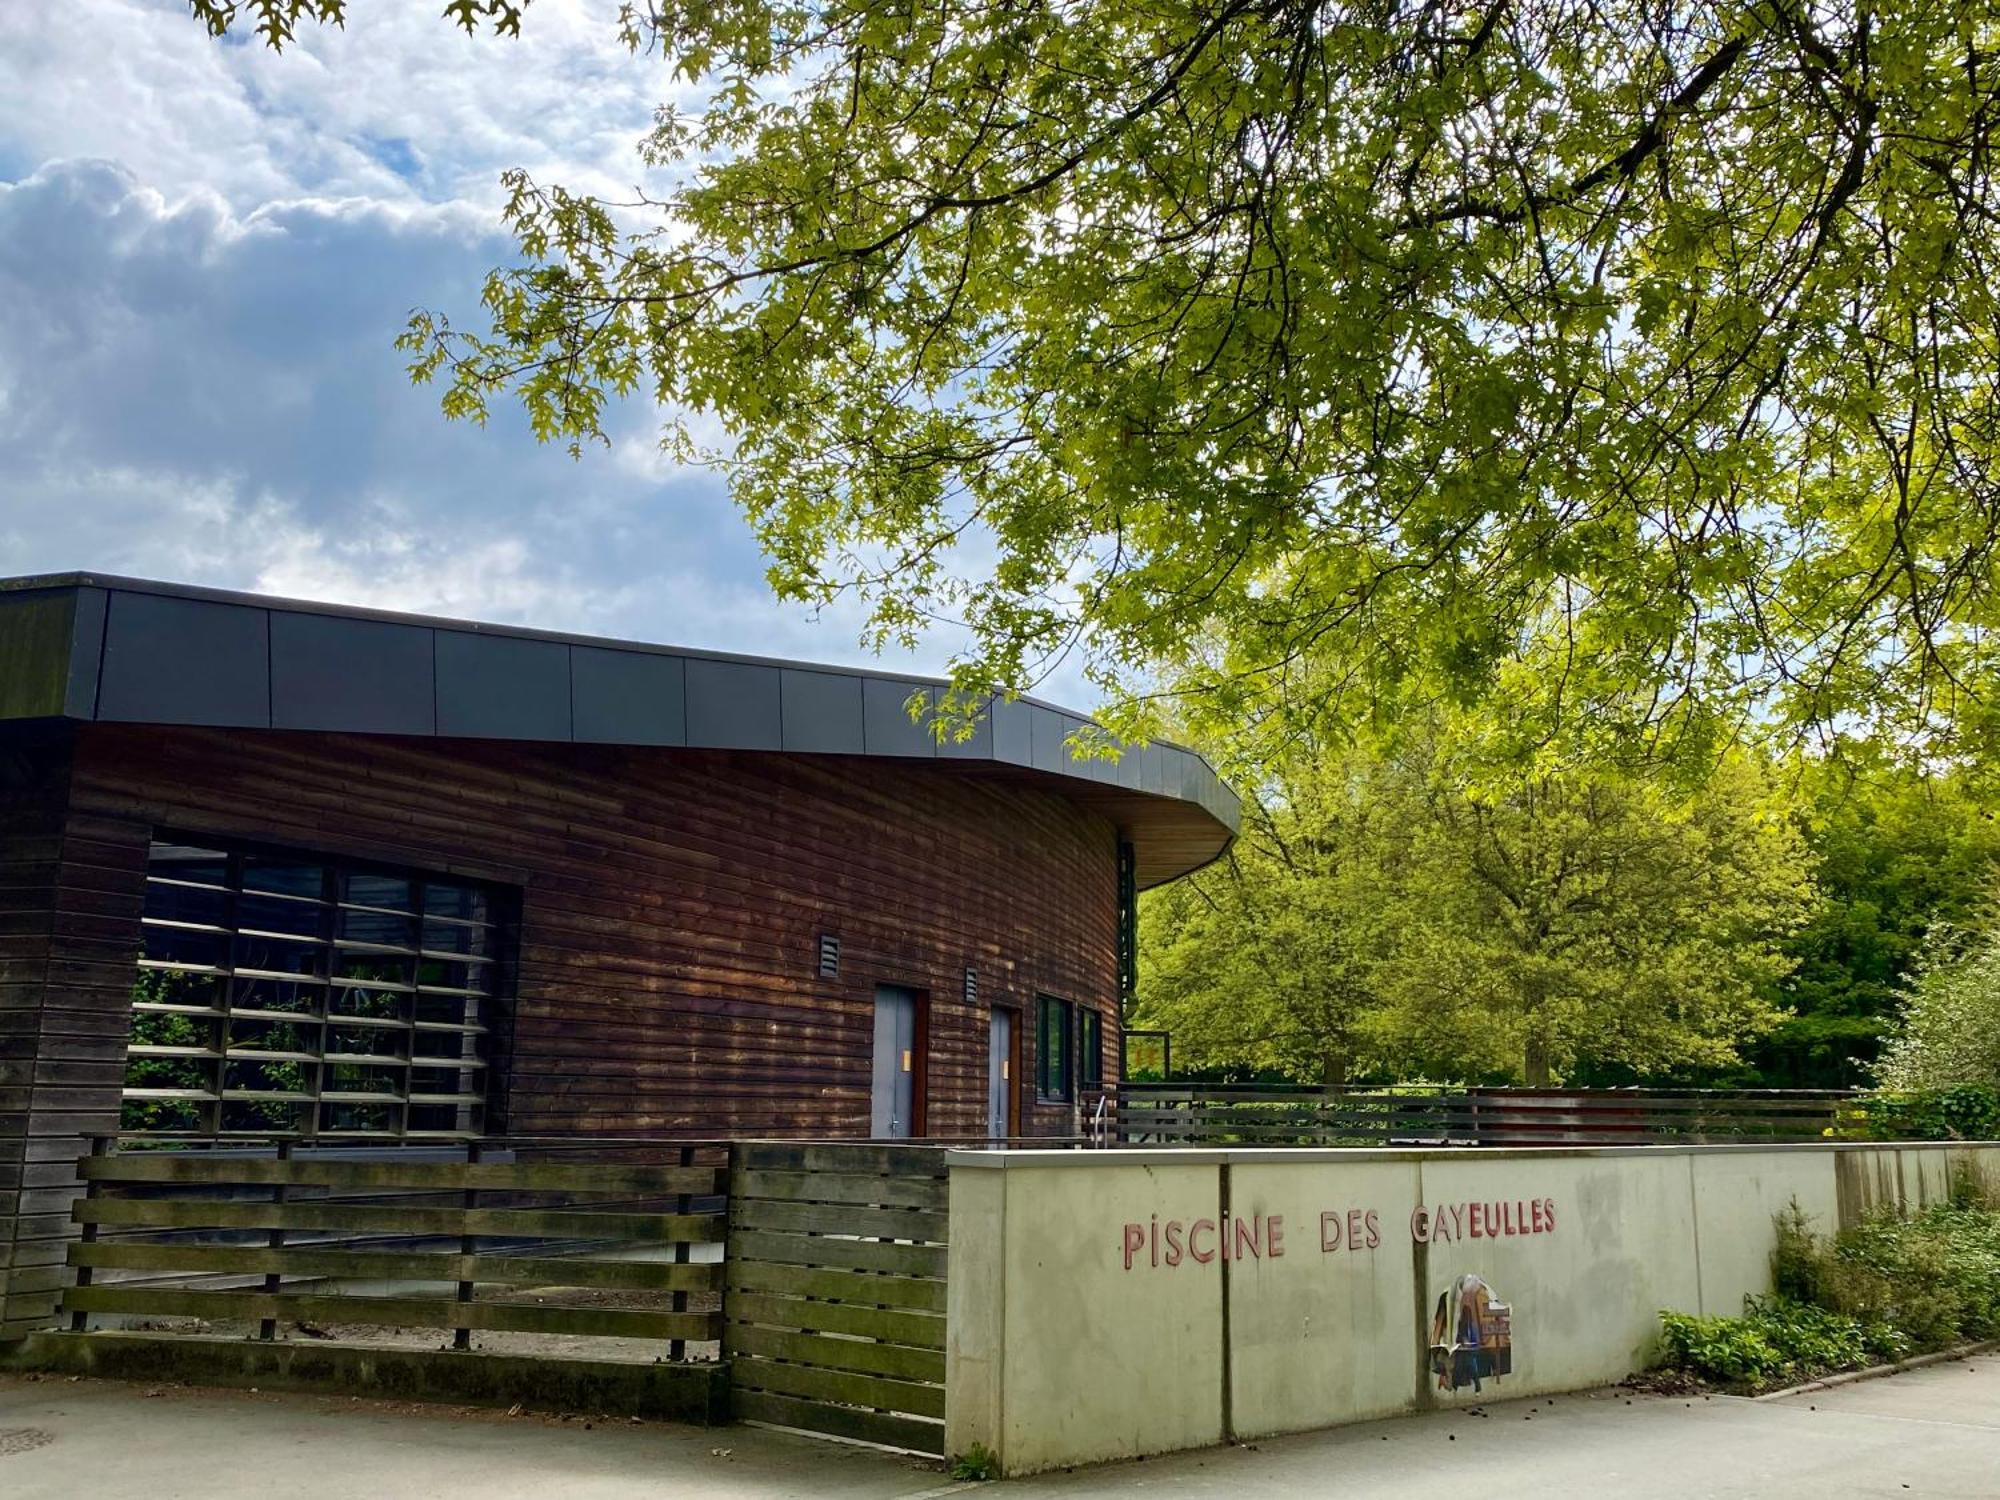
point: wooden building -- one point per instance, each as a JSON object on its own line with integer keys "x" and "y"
{"x": 270, "y": 867}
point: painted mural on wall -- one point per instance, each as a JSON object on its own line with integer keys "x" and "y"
{"x": 1472, "y": 1335}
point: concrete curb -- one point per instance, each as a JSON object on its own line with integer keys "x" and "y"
{"x": 1849, "y": 1377}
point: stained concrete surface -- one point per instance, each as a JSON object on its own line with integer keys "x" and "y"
{"x": 1933, "y": 1432}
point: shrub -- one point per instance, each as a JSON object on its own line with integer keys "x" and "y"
{"x": 1882, "y": 1291}
{"x": 1960, "y": 1112}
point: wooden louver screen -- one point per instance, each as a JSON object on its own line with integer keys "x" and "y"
{"x": 283, "y": 993}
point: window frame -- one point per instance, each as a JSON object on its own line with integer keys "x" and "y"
{"x": 373, "y": 1015}
{"x": 1064, "y": 1055}
{"x": 1089, "y": 1048}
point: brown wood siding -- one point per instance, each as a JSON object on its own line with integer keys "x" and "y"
{"x": 69, "y": 930}
{"x": 672, "y": 902}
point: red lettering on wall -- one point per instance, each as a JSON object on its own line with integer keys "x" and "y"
{"x": 1194, "y": 1232}
{"x": 1549, "y": 1212}
{"x": 1173, "y": 1242}
{"x": 1246, "y": 1234}
{"x": 1274, "y": 1236}
{"x": 1475, "y": 1213}
{"x": 1329, "y": 1230}
{"x": 1420, "y": 1225}
{"x": 1374, "y": 1227}
{"x": 1135, "y": 1241}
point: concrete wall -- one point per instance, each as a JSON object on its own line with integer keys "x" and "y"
{"x": 1095, "y": 1312}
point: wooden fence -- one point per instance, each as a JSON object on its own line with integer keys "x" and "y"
{"x": 1203, "y": 1114}
{"x": 508, "y": 1238}
{"x": 835, "y": 1309}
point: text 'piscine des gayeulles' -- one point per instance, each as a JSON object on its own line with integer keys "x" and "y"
{"x": 1172, "y": 1242}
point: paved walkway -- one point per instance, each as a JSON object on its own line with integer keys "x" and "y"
{"x": 1933, "y": 1432}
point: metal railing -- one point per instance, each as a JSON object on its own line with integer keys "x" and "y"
{"x": 1197, "y": 1114}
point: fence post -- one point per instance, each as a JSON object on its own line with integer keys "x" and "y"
{"x": 677, "y": 1348}
{"x": 461, "y": 1333}
{"x": 100, "y": 1145}
{"x": 267, "y": 1328}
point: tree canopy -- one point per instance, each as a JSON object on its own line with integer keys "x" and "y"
{"x": 1628, "y": 366}
{"x": 1386, "y": 915}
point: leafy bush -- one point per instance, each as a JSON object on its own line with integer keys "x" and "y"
{"x": 1882, "y": 1291}
{"x": 1960, "y": 1112}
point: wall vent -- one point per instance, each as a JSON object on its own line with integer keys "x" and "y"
{"x": 829, "y": 956}
{"x": 971, "y": 986}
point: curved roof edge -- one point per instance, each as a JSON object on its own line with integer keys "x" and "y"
{"x": 98, "y": 648}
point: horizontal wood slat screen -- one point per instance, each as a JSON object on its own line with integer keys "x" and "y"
{"x": 835, "y": 1303}
{"x": 1262, "y": 1114}
{"x": 592, "y": 1240}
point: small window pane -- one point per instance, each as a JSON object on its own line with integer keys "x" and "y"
{"x": 383, "y": 929}
{"x": 265, "y": 1116}
{"x": 462, "y": 901}
{"x": 258, "y": 1076}
{"x": 161, "y": 1115}
{"x": 278, "y": 955}
{"x": 177, "y": 1073}
{"x": 447, "y": 1119}
{"x": 376, "y": 968}
{"x": 363, "y": 889}
{"x": 447, "y": 1010}
{"x": 276, "y": 914}
{"x": 455, "y": 1080}
{"x": 457, "y": 937}
{"x": 291, "y": 1037}
{"x": 284, "y": 877}
{"x": 171, "y": 1029}
{"x": 359, "y": 1119}
{"x": 370, "y": 1041}
{"x": 361, "y": 1078}
{"x": 179, "y": 945}
{"x": 173, "y": 987}
{"x": 299, "y": 996}
{"x": 186, "y": 903}
{"x": 436, "y": 1045}
{"x": 445, "y": 974}
{"x": 186, "y": 862}
{"x": 355, "y": 1000}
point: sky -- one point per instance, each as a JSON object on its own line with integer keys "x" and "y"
{"x": 206, "y": 252}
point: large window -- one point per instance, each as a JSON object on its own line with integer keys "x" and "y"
{"x": 1054, "y": 1075}
{"x": 289, "y": 993}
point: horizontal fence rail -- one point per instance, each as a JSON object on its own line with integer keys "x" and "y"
{"x": 1201, "y": 1114}
{"x": 583, "y": 1240}
{"x": 836, "y": 1290}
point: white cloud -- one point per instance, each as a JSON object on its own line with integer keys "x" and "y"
{"x": 206, "y": 251}
{"x": 211, "y": 397}
{"x": 397, "y": 105}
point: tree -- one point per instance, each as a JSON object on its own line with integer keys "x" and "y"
{"x": 1596, "y": 919}
{"x": 1262, "y": 962}
{"x": 1895, "y": 855}
{"x": 1390, "y": 911}
{"x": 1643, "y": 343}
{"x": 1950, "y": 1022}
